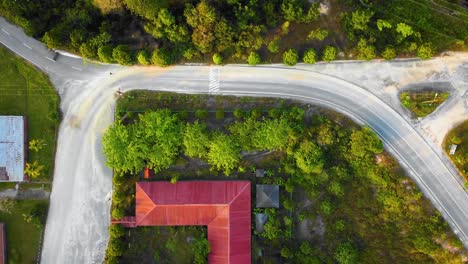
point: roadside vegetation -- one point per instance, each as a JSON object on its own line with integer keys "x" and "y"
{"x": 459, "y": 137}
{"x": 166, "y": 32}
{"x": 343, "y": 199}
{"x": 422, "y": 103}
{"x": 24, "y": 222}
{"x": 27, "y": 92}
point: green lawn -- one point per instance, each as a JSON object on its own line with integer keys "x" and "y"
{"x": 459, "y": 136}
{"x": 22, "y": 237}
{"x": 26, "y": 91}
{"x": 422, "y": 103}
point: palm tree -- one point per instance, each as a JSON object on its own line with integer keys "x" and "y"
{"x": 34, "y": 169}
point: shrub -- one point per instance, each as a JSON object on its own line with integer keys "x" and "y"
{"x": 329, "y": 53}
{"x": 87, "y": 50}
{"x": 318, "y": 34}
{"x": 389, "y": 53}
{"x": 290, "y": 57}
{"x": 105, "y": 54}
{"x": 274, "y": 113}
{"x": 256, "y": 113}
{"x": 7, "y": 205}
{"x": 274, "y": 45}
{"x": 161, "y": 57}
{"x": 201, "y": 114}
{"x": 366, "y": 51}
{"x": 425, "y": 51}
{"x": 309, "y": 56}
{"x": 122, "y": 55}
{"x": 254, "y": 58}
{"x": 217, "y": 59}
{"x": 116, "y": 231}
{"x": 182, "y": 115}
{"x": 220, "y": 114}
{"x": 118, "y": 213}
{"x": 144, "y": 57}
{"x": 238, "y": 113}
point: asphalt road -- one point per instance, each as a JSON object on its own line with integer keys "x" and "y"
{"x": 76, "y": 230}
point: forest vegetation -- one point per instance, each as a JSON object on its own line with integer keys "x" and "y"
{"x": 166, "y": 32}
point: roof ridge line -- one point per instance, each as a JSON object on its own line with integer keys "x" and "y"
{"x": 239, "y": 193}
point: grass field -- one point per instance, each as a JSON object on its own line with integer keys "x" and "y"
{"x": 459, "y": 136}
{"x": 423, "y": 103}
{"x": 22, "y": 237}
{"x": 26, "y": 91}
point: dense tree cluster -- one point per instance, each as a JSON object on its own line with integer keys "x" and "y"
{"x": 233, "y": 29}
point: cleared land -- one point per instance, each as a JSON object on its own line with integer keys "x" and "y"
{"x": 422, "y": 103}
{"x": 459, "y": 136}
{"x": 26, "y": 91}
{"x": 320, "y": 220}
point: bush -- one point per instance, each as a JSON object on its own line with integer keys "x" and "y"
{"x": 201, "y": 114}
{"x": 122, "y": 55}
{"x": 274, "y": 45}
{"x": 182, "y": 115}
{"x": 144, "y": 57}
{"x": 425, "y": 51}
{"x": 115, "y": 248}
{"x": 318, "y": 34}
{"x": 116, "y": 231}
{"x": 161, "y": 57}
{"x": 217, "y": 59}
{"x": 290, "y": 57}
{"x": 87, "y": 50}
{"x": 254, "y": 58}
{"x": 366, "y": 51}
{"x": 220, "y": 114}
{"x": 389, "y": 53}
{"x": 256, "y": 113}
{"x": 238, "y": 113}
{"x": 118, "y": 213}
{"x": 7, "y": 205}
{"x": 329, "y": 53}
{"x": 105, "y": 54}
{"x": 310, "y": 56}
{"x": 274, "y": 113}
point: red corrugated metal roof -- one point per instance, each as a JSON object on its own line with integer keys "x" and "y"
{"x": 223, "y": 206}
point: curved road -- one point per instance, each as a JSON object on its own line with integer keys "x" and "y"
{"x": 76, "y": 230}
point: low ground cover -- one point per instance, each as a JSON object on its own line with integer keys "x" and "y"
{"x": 26, "y": 91}
{"x": 24, "y": 225}
{"x": 422, "y": 103}
{"x": 458, "y": 136}
{"x": 342, "y": 197}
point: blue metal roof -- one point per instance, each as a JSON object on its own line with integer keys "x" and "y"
{"x": 11, "y": 148}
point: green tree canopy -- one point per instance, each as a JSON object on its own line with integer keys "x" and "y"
{"x": 425, "y": 51}
{"x": 309, "y": 157}
{"x": 217, "y": 58}
{"x": 223, "y": 153}
{"x": 310, "y": 56}
{"x": 346, "y": 254}
{"x": 290, "y": 57}
{"x": 122, "y": 55}
{"x": 105, "y": 54}
{"x": 196, "y": 139}
{"x": 144, "y": 57}
{"x": 329, "y": 53}
{"x": 365, "y": 141}
{"x": 254, "y": 58}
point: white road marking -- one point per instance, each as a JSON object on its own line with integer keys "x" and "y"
{"x": 6, "y": 32}
{"x": 77, "y": 68}
{"x": 27, "y": 46}
{"x": 49, "y": 59}
{"x": 213, "y": 85}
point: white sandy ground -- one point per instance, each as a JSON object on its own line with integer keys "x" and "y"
{"x": 78, "y": 220}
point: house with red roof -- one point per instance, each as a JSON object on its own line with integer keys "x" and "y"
{"x": 222, "y": 206}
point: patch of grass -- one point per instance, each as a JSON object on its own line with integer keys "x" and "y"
{"x": 459, "y": 136}
{"x": 22, "y": 238}
{"x": 423, "y": 103}
{"x": 161, "y": 244}
{"x": 26, "y": 91}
